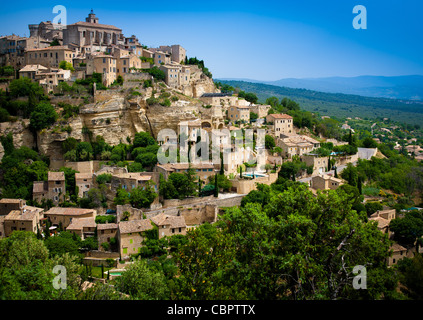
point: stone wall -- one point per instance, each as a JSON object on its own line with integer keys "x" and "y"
{"x": 245, "y": 186}
{"x": 84, "y": 166}
{"x": 195, "y": 210}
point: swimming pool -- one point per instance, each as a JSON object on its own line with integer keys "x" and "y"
{"x": 250, "y": 174}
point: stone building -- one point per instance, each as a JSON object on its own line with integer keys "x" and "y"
{"x": 169, "y": 225}
{"x": 293, "y": 144}
{"x": 91, "y": 32}
{"x": 49, "y": 57}
{"x": 84, "y": 182}
{"x": 104, "y": 64}
{"x": 325, "y": 182}
{"x": 131, "y": 234}
{"x": 133, "y": 180}
{"x": 83, "y": 227}
{"x": 24, "y": 219}
{"x": 105, "y": 232}
{"x": 64, "y": 216}
{"x": 239, "y": 113}
{"x": 54, "y": 188}
{"x": 7, "y": 205}
{"x": 281, "y": 124}
{"x": 176, "y": 51}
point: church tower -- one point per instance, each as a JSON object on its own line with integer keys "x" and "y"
{"x": 91, "y": 17}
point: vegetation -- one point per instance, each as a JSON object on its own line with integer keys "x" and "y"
{"x": 338, "y": 105}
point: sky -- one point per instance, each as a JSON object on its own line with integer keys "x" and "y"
{"x": 261, "y": 40}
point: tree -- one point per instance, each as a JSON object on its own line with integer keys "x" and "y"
{"x": 43, "y": 116}
{"x": 104, "y": 178}
{"x": 222, "y": 182}
{"x": 142, "y": 197}
{"x": 66, "y": 66}
{"x": 368, "y": 142}
{"x": 269, "y": 142}
{"x": 143, "y": 139}
{"x": 409, "y": 229}
{"x": 216, "y": 187}
{"x": 122, "y": 197}
{"x": 26, "y": 270}
{"x": 142, "y": 283}
{"x": 350, "y": 174}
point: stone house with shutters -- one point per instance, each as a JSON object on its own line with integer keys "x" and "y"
{"x": 169, "y": 225}
{"x": 105, "y": 232}
{"x": 84, "y": 182}
{"x": 281, "y": 124}
{"x": 83, "y": 227}
{"x": 64, "y": 216}
{"x": 54, "y": 188}
{"x": 131, "y": 234}
{"x": 26, "y": 219}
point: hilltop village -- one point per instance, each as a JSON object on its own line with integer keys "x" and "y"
{"x": 85, "y": 107}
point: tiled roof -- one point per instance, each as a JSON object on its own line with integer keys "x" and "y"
{"x": 32, "y": 68}
{"x": 107, "y": 226}
{"x": 79, "y": 223}
{"x": 53, "y": 48}
{"x": 5, "y": 200}
{"x": 281, "y": 116}
{"x": 135, "y": 226}
{"x": 94, "y": 25}
{"x": 172, "y": 221}
{"x": 87, "y": 176}
{"x": 56, "y": 176}
{"x": 27, "y": 214}
{"x": 133, "y": 175}
{"x": 69, "y": 211}
{"x": 397, "y": 247}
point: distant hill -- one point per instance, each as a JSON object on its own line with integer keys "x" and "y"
{"x": 338, "y": 104}
{"x": 399, "y": 87}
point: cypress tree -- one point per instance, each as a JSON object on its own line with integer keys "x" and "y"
{"x": 359, "y": 185}
{"x": 216, "y": 188}
{"x": 222, "y": 170}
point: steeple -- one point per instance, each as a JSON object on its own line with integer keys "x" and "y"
{"x": 91, "y": 17}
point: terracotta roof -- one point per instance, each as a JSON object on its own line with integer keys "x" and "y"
{"x": 94, "y": 25}
{"x": 381, "y": 222}
{"x": 79, "y": 223}
{"x": 56, "y": 176}
{"x": 79, "y": 176}
{"x": 281, "y": 116}
{"x": 172, "y": 221}
{"x": 135, "y": 226}
{"x": 53, "y": 48}
{"x": 32, "y": 68}
{"x": 185, "y": 166}
{"x": 5, "y": 200}
{"x": 69, "y": 211}
{"x": 397, "y": 247}
{"x": 132, "y": 175}
{"x": 27, "y": 214}
{"x": 107, "y": 226}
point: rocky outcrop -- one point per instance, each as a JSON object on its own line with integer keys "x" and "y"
{"x": 22, "y": 135}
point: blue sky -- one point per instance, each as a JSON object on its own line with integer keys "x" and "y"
{"x": 263, "y": 40}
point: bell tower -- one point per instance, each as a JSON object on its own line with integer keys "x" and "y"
{"x": 91, "y": 17}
